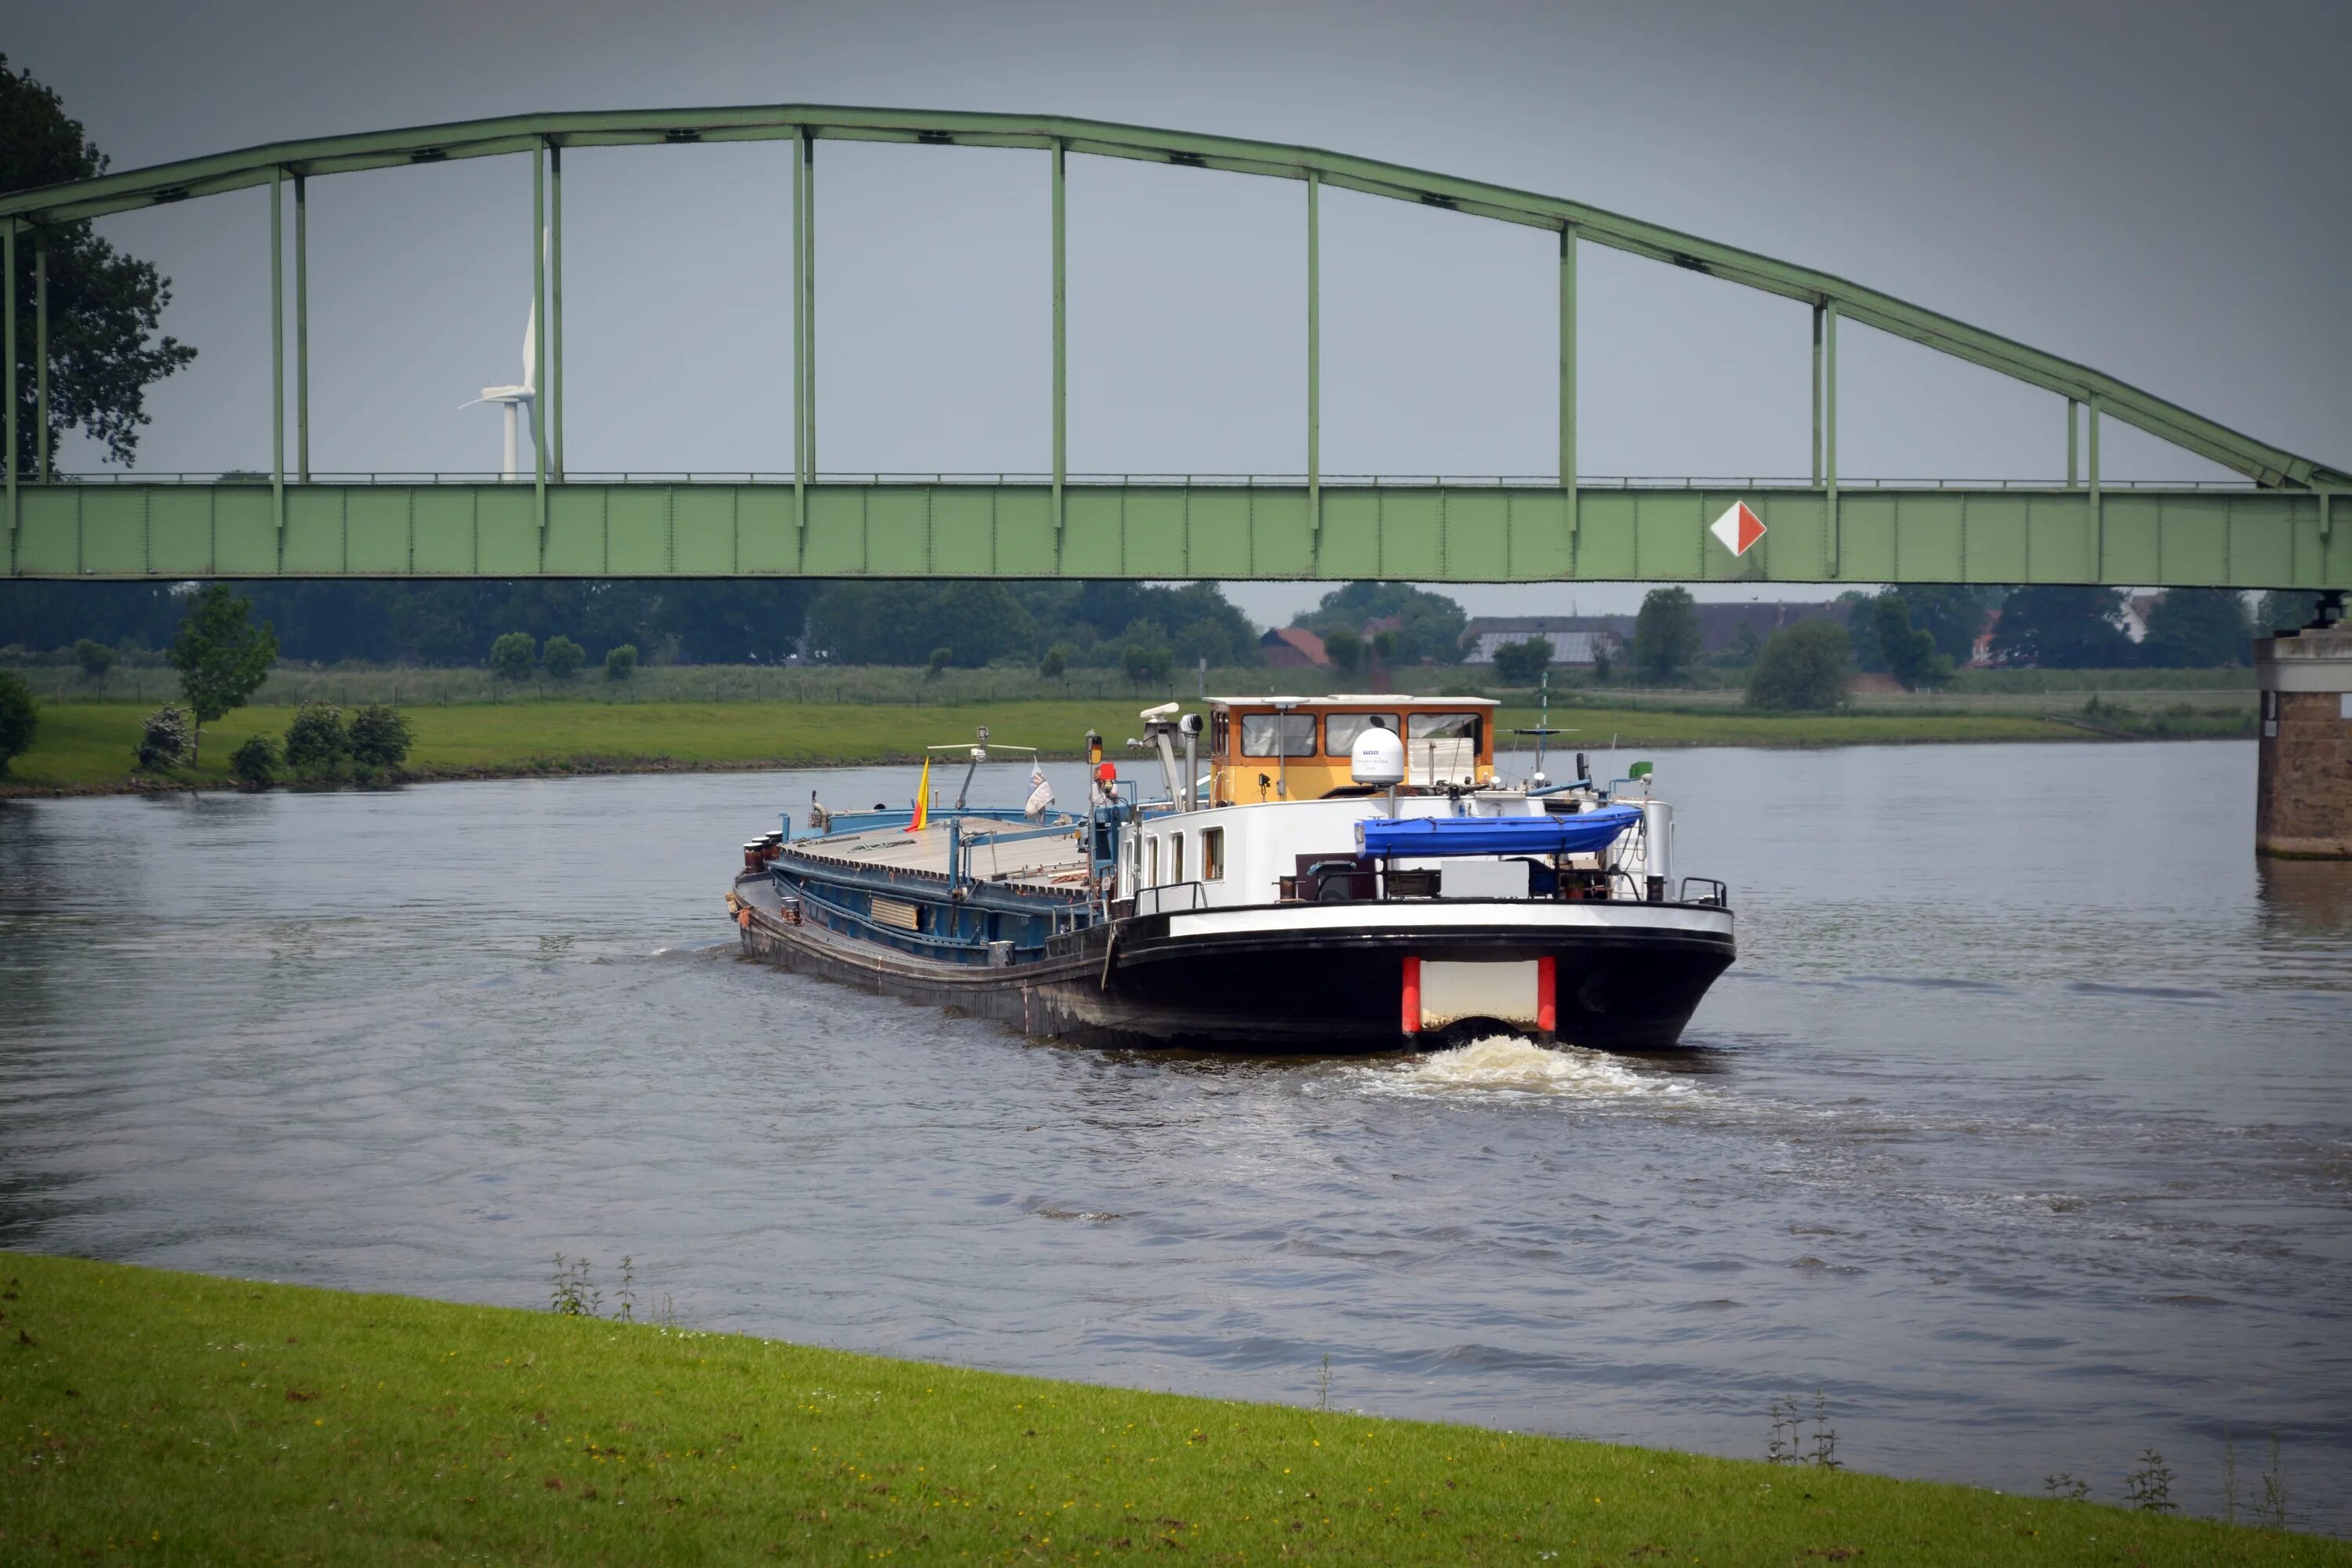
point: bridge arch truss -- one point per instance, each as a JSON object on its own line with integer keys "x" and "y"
{"x": 2277, "y": 525}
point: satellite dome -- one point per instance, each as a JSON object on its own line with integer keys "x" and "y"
{"x": 1377, "y": 758}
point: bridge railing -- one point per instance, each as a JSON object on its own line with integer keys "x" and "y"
{"x": 1130, "y": 480}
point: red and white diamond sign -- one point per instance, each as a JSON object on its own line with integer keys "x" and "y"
{"x": 1738, "y": 527}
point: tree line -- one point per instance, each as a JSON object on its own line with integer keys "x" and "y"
{"x": 1921, "y": 634}
{"x": 456, "y": 624}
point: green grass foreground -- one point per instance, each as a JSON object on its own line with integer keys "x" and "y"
{"x": 87, "y": 747}
{"x": 170, "y": 1416}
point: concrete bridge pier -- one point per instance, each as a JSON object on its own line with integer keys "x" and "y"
{"x": 2303, "y": 801}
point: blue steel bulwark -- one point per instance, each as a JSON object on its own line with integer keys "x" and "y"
{"x": 1437, "y": 533}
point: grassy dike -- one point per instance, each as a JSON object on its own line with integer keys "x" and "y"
{"x": 177, "y": 1417}
{"x": 87, "y": 747}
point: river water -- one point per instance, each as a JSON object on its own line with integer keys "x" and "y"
{"x": 2021, "y": 1132}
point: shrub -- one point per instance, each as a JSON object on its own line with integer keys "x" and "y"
{"x": 514, "y": 655}
{"x": 1148, "y": 663}
{"x": 1056, "y": 663}
{"x": 563, "y": 658}
{"x": 315, "y": 743}
{"x": 380, "y": 735}
{"x": 255, "y": 762}
{"x": 163, "y": 739}
{"x": 621, "y": 663}
{"x": 941, "y": 657}
{"x": 20, "y": 718}
{"x": 95, "y": 659}
{"x": 1804, "y": 667}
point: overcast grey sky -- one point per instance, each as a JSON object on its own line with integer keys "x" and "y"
{"x": 2159, "y": 190}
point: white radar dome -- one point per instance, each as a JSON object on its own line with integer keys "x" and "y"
{"x": 1377, "y": 758}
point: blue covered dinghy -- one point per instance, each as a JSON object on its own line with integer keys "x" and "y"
{"x": 1583, "y": 834}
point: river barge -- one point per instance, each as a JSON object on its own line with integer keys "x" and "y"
{"x": 1337, "y": 874}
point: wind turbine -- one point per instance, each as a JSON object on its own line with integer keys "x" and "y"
{"x": 515, "y": 399}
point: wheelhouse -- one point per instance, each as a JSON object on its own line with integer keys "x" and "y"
{"x": 1264, "y": 748}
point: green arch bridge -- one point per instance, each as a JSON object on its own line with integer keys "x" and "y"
{"x": 2279, "y": 525}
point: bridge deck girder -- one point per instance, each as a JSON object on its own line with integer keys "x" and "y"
{"x": 1438, "y": 533}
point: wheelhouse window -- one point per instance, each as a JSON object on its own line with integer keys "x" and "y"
{"x": 1277, "y": 734}
{"x": 1176, "y": 858}
{"x": 1441, "y": 748}
{"x": 1221, "y": 733}
{"x": 1212, "y": 854}
{"x": 1340, "y": 730}
{"x": 1446, "y": 727}
{"x": 1151, "y": 862}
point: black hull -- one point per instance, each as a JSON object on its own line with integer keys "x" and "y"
{"x": 1135, "y": 984}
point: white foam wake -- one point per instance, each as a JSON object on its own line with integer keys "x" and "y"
{"x": 1509, "y": 1064}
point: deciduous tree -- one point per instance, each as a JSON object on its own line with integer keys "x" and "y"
{"x": 514, "y": 655}
{"x": 105, "y": 308}
{"x": 221, "y": 658}
{"x": 1429, "y": 624}
{"x": 2198, "y": 628}
{"x": 20, "y": 718}
{"x": 2064, "y": 626}
{"x": 1344, "y": 646}
{"x": 1522, "y": 663}
{"x": 1803, "y": 667}
{"x": 1909, "y": 652}
{"x": 1665, "y": 634}
{"x": 2284, "y": 610}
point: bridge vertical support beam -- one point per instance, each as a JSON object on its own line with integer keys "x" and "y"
{"x": 1568, "y": 381}
{"x": 1061, "y": 356}
{"x": 301, "y": 328}
{"x": 1315, "y": 364}
{"x": 555, "y": 309}
{"x": 278, "y": 356}
{"x": 2073, "y": 457}
{"x": 800, "y": 344}
{"x": 40, "y": 357}
{"x": 8, "y": 351}
{"x": 2098, "y": 518}
{"x": 1829, "y": 427}
{"x": 539, "y": 340}
{"x": 1817, "y": 396}
{"x": 808, "y": 307}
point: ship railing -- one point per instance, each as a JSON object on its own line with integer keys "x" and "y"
{"x": 1061, "y": 829}
{"x": 1711, "y": 892}
{"x": 1195, "y": 897}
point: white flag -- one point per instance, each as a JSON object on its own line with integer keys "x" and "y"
{"x": 1040, "y": 795}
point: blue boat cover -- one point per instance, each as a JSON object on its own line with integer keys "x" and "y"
{"x": 1545, "y": 835}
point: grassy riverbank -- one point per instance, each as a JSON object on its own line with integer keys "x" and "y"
{"x": 87, "y": 747}
{"x": 181, "y": 1417}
